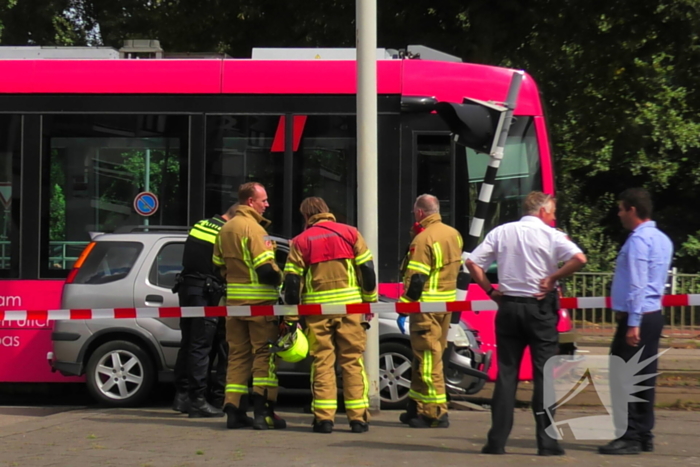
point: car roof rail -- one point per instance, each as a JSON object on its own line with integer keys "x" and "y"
{"x": 151, "y": 228}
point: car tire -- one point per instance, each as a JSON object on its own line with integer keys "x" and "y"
{"x": 394, "y": 374}
{"x": 120, "y": 374}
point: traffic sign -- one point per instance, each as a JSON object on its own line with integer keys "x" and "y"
{"x": 146, "y": 203}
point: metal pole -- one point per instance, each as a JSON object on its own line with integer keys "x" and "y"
{"x": 367, "y": 187}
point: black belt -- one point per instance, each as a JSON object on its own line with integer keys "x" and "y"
{"x": 508, "y": 298}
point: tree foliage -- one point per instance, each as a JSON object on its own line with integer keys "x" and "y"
{"x": 620, "y": 79}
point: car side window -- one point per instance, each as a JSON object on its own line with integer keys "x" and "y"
{"x": 167, "y": 265}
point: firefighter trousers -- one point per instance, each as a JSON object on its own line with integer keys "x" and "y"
{"x": 428, "y": 340}
{"x": 340, "y": 338}
{"x": 249, "y": 355}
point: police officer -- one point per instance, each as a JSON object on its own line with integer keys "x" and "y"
{"x": 329, "y": 263}
{"x": 246, "y": 258}
{"x": 430, "y": 275}
{"x": 200, "y": 284}
{"x": 528, "y": 253}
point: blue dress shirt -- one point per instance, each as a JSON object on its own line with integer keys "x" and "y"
{"x": 641, "y": 272}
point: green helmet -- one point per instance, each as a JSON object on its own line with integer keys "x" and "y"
{"x": 292, "y": 347}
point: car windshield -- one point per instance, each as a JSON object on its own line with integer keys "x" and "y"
{"x": 108, "y": 262}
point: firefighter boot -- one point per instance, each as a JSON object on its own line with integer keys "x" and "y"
{"x": 264, "y": 413}
{"x": 200, "y": 408}
{"x": 421, "y": 421}
{"x": 236, "y": 417}
{"x": 410, "y": 413}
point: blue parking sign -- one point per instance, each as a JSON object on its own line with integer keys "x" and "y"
{"x": 146, "y": 203}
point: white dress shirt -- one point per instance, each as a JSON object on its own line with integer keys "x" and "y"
{"x": 526, "y": 252}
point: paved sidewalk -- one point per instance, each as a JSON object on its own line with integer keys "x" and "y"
{"x": 159, "y": 437}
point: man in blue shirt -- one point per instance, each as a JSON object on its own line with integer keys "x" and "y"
{"x": 638, "y": 286}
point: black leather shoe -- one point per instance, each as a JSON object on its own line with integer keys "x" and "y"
{"x": 357, "y": 426}
{"x": 551, "y": 451}
{"x": 324, "y": 426}
{"x": 488, "y": 449}
{"x": 181, "y": 403}
{"x": 647, "y": 445}
{"x": 200, "y": 408}
{"x": 621, "y": 446}
{"x": 422, "y": 421}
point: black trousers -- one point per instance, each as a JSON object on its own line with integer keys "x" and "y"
{"x": 202, "y": 343}
{"x": 522, "y": 322}
{"x": 637, "y": 416}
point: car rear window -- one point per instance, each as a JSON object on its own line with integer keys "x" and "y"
{"x": 108, "y": 262}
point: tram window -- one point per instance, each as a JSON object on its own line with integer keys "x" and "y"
{"x": 434, "y": 171}
{"x": 325, "y": 165}
{"x": 10, "y": 148}
{"x": 95, "y": 167}
{"x": 240, "y": 150}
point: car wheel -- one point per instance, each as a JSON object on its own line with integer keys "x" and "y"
{"x": 120, "y": 374}
{"x": 394, "y": 375}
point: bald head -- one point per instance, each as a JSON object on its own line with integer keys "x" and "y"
{"x": 426, "y": 205}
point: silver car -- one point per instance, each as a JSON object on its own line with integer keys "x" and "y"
{"x": 122, "y": 359}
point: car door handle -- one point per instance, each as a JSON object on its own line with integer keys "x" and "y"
{"x": 154, "y": 299}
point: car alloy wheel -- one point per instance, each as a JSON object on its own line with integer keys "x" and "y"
{"x": 119, "y": 374}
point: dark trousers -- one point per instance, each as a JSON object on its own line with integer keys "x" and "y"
{"x": 200, "y": 345}
{"x": 638, "y": 417}
{"x": 522, "y": 322}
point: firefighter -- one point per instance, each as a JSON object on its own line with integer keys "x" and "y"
{"x": 430, "y": 275}
{"x": 246, "y": 257}
{"x": 329, "y": 263}
{"x": 200, "y": 284}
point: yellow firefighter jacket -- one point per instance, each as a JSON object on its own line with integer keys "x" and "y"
{"x": 241, "y": 247}
{"x": 435, "y": 252}
{"x": 327, "y": 256}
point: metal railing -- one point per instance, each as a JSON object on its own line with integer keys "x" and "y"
{"x": 679, "y": 320}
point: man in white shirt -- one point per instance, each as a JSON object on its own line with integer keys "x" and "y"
{"x": 528, "y": 253}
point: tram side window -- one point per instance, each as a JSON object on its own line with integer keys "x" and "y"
{"x": 95, "y": 166}
{"x": 325, "y": 165}
{"x": 10, "y": 149}
{"x": 240, "y": 149}
{"x": 434, "y": 174}
{"x": 518, "y": 174}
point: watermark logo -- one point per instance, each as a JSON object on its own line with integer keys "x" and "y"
{"x": 615, "y": 382}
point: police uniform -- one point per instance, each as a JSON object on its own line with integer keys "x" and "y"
{"x": 246, "y": 258}
{"x": 430, "y": 275}
{"x": 200, "y": 284}
{"x": 526, "y": 252}
{"x": 329, "y": 263}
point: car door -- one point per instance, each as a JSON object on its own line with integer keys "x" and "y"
{"x": 152, "y": 288}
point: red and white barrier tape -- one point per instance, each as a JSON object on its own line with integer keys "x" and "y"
{"x": 305, "y": 310}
